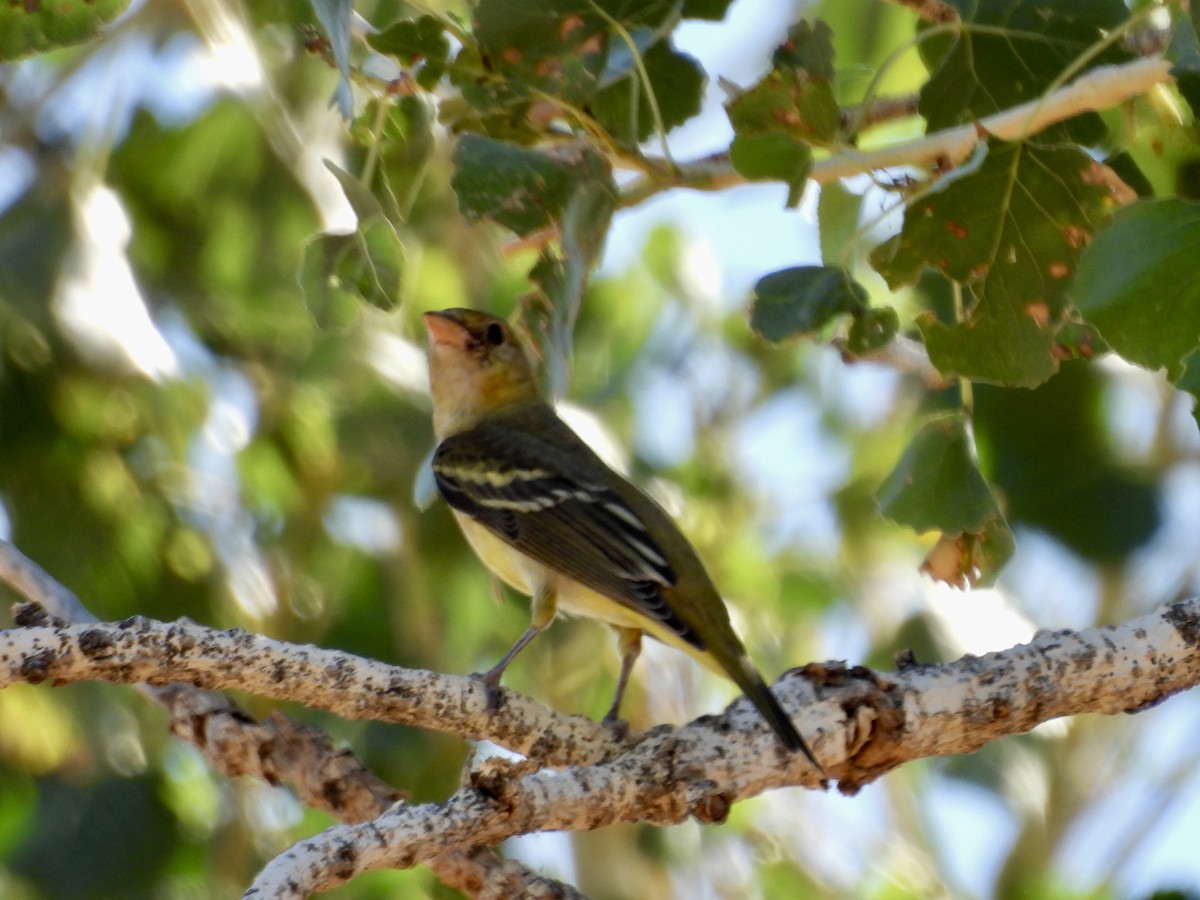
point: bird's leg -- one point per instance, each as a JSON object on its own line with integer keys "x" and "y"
{"x": 544, "y": 606}
{"x": 629, "y": 642}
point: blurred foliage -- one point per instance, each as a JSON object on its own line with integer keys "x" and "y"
{"x": 212, "y": 398}
{"x": 27, "y": 28}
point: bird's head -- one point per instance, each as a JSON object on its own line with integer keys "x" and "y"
{"x": 476, "y": 366}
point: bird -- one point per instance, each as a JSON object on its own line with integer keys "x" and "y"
{"x": 547, "y": 516}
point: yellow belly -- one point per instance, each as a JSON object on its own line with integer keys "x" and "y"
{"x": 528, "y": 576}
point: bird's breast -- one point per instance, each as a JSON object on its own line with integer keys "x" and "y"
{"x": 527, "y": 575}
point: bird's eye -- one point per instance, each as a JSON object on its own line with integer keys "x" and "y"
{"x": 494, "y": 335}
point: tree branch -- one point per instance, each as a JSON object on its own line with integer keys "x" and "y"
{"x": 1101, "y": 88}
{"x": 282, "y": 750}
{"x": 140, "y": 650}
{"x": 903, "y": 354}
{"x": 863, "y": 725}
{"x": 702, "y": 769}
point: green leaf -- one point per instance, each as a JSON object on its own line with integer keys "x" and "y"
{"x": 992, "y": 549}
{"x": 1127, "y": 169}
{"x": 398, "y": 134}
{"x": 624, "y": 54}
{"x": 556, "y": 47}
{"x": 1006, "y": 347}
{"x": 709, "y": 10}
{"x": 872, "y": 331}
{"x": 362, "y": 201}
{"x": 35, "y": 237}
{"x": 1189, "y": 382}
{"x": 411, "y": 42}
{"x": 791, "y": 99}
{"x": 837, "y": 217}
{"x": 677, "y": 81}
{"x": 379, "y": 271}
{"x": 28, "y": 28}
{"x": 367, "y": 263}
{"x": 1010, "y": 232}
{"x": 563, "y": 276}
{"x": 1184, "y": 54}
{"x": 977, "y": 73}
{"x": 802, "y": 300}
{"x": 1077, "y": 339}
{"x": 808, "y": 48}
{"x": 524, "y": 190}
{"x": 1050, "y": 455}
{"x": 340, "y": 270}
{"x": 937, "y": 485}
{"x": 1137, "y": 283}
{"x": 778, "y": 120}
{"x": 773, "y": 157}
{"x": 332, "y": 302}
{"x": 568, "y": 188}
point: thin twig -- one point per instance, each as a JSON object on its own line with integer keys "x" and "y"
{"x": 1101, "y": 88}
{"x": 885, "y": 109}
{"x": 904, "y": 355}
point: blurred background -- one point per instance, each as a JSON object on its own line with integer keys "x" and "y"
{"x": 182, "y": 435}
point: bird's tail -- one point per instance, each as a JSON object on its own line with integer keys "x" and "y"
{"x": 747, "y": 678}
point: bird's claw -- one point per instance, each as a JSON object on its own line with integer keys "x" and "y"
{"x": 491, "y": 687}
{"x": 619, "y": 727}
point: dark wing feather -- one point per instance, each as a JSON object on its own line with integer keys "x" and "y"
{"x": 535, "y": 495}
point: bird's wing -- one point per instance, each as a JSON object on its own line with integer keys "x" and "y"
{"x": 539, "y": 499}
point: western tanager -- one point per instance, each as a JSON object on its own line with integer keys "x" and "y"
{"x": 547, "y": 516}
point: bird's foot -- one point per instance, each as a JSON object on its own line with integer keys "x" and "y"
{"x": 491, "y": 687}
{"x": 619, "y": 727}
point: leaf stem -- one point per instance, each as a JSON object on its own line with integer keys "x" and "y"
{"x": 381, "y": 110}
{"x": 640, "y": 64}
{"x": 966, "y": 394}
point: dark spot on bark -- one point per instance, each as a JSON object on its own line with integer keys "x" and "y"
{"x": 1188, "y": 626}
{"x": 35, "y": 666}
{"x": 1084, "y": 658}
{"x": 398, "y": 687}
{"x": 333, "y": 793}
{"x": 31, "y": 615}
{"x": 345, "y": 861}
{"x": 490, "y": 784}
{"x": 1149, "y": 704}
{"x": 95, "y": 643}
{"x": 1001, "y": 709}
{"x": 179, "y": 641}
{"x": 338, "y": 671}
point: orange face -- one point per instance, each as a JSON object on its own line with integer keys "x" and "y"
{"x": 476, "y": 366}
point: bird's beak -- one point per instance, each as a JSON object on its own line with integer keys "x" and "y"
{"x": 445, "y": 330}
